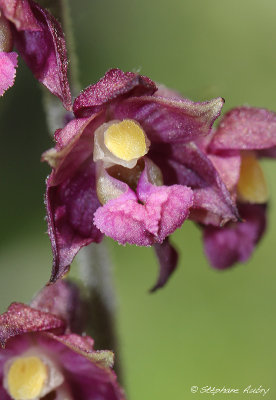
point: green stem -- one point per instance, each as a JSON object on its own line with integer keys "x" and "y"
{"x": 95, "y": 271}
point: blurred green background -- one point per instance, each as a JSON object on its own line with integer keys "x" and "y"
{"x": 205, "y": 328}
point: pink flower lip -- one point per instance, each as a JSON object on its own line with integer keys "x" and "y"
{"x": 8, "y": 64}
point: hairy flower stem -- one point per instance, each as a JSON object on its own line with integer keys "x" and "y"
{"x": 95, "y": 271}
{"x": 94, "y": 263}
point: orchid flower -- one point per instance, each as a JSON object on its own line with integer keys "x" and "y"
{"x": 127, "y": 167}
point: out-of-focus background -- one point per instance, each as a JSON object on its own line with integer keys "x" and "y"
{"x": 205, "y": 328}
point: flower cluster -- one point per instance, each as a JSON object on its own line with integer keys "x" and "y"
{"x": 133, "y": 163}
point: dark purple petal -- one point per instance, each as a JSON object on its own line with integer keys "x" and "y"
{"x": 70, "y": 210}
{"x": 63, "y": 300}
{"x": 70, "y": 187}
{"x": 169, "y": 120}
{"x": 74, "y": 146}
{"x": 3, "y": 394}
{"x": 72, "y": 131}
{"x": 84, "y": 345}
{"x": 235, "y": 242}
{"x": 113, "y": 85}
{"x": 21, "y": 319}
{"x": 146, "y": 218}
{"x": 87, "y": 378}
{"x": 167, "y": 257}
{"x": 246, "y": 128}
{"x": 40, "y": 41}
{"x": 188, "y": 165}
{"x": 8, "y": 64}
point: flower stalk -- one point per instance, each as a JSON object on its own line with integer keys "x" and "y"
{"x": 95, "y": 272}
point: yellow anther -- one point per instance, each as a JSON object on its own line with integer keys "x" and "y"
{"x": 26, "y": 378}
{"x": 126, "y": 140}
{"x": 252, "y": 186}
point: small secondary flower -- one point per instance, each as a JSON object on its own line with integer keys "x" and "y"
{"x": 244, "y": 135}
{"x": 42, "y": 359}
{"x": 39, "y": 39}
